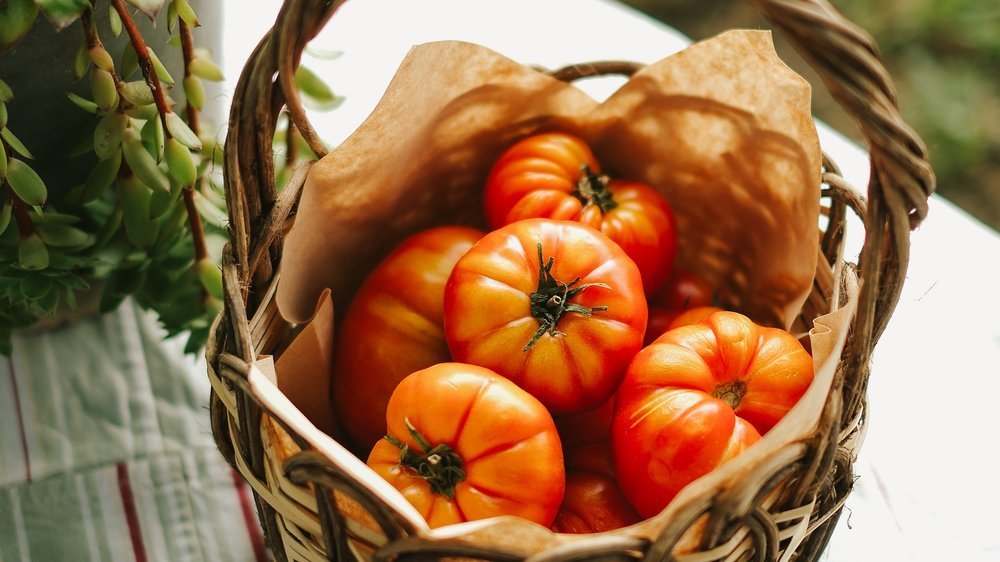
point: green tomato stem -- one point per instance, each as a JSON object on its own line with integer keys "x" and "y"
{"x": 592, "y": 189}
{"x": 439, "y": 465}
{"x": 551, "y": 300}
{"x": 731, "y": 392}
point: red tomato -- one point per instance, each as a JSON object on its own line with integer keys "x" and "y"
{"x": 555, "y": 306}
{"x": 466, "y": 444}
{"x": 593, "y": 502}
{"x": 393, "y": 327}
{"x": 555, "y": 176}
{"x": 684, "y": 290}
{"x": 696, "y": 398}
{"x": 658, "y": 322}
{"x": 586, "y": 428}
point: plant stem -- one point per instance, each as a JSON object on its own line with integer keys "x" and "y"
{"x": 194, "y": 221}
{"x": 439, "y": 465}
{"x": 592, "y": 189}
{"x": 20, "y": 211}
{"x": 191, "y": 113}
{"x": 145, "y": 63}
{"x": 187, "y": 47}
{"x": 551, "y": 300}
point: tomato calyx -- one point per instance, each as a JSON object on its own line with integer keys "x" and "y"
{"x": 551, "y": 300}
{"x": 439, "y": 465}
{"x": 592, "y": 189}
{"x": 731, "y": 392}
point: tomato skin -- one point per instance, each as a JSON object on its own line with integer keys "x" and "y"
{"x": 684, "y": 290}
{"x": 506, "y": 439}
{"x": 489, "y": 319}
{"x": 586, "y": 428}
{"x": 393, "y": 327}
{"x": 692, "y": 316}
{"x": 542, "y": 171}
{"x": 539, "y": 177}
{"x": 593, "y": 502}
{"x": 674, "y": 421}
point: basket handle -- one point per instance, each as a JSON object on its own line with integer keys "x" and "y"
{"x": 845, "y": 57}
{"x": 901, "y": 178}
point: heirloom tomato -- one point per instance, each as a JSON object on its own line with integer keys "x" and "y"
{"x": 684, "y": 290}
{"x": 393, "y": 327}
{"x": 593, "y": 501}
{"x": 464, "y": 443}
{"x": 692, "y": 316}
{"x": 555, "y": 176}
{"x": 696, "y": 398}
{"x": 555, "y": 306}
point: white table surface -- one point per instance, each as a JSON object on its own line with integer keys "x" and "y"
{"x": 926, "y": 489}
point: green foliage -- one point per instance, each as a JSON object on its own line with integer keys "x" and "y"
{"x": 62, "y": 12}
{"x": 16, "y": 18}
{"x": 127, "y": 228}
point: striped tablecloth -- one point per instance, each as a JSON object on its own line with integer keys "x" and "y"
{"x": 106, "y": 451}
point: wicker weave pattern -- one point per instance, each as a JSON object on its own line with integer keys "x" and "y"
{"x": 783, "y": 510}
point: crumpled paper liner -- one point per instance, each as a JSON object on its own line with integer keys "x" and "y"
{"x": 723, "y": 129}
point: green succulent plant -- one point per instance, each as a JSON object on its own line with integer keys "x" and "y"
{"x": 149, "y": 219}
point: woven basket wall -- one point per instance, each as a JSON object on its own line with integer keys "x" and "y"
{"x": 314, "y": 507}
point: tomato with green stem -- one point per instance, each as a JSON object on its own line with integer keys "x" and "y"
{"x": 556, "y": 176}
{"x": 696, "y": 398}
{"x": 555, "y": 306}
{"x": 464, "y": 443}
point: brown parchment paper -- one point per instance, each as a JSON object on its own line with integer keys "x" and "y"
{"x": 722, "y": 128}
{"x": 418, "y": 161}
{"x": 308, "y": 362}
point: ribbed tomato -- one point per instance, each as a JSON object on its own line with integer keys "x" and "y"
{"x": 692, "y": 316}
{"x": 465, "y": 443}
{"x": 555, "y": 306}
{"x": 696, "y": 398}
{"x": 593, "y": 502}
{"x": 555, "y": 176}
{"x": 393, "y": 327}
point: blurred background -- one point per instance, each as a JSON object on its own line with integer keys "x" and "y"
{"x": 944, "y": 56}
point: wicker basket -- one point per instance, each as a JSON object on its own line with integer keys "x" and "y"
{"x": 323, "y": 506}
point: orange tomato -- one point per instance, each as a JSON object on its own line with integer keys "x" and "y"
{"x": 464, "y": 443}
{"x": 555, "y": 306}
{"x": 692, "y": 316}
{"x": 393, "y": 327}
{"x": 696, "y": 398}
{"x": 555, "y": 176}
